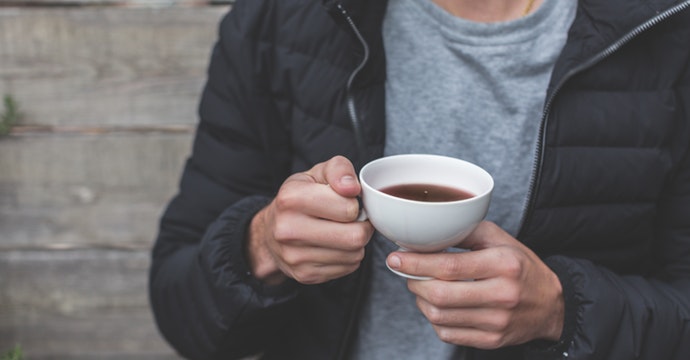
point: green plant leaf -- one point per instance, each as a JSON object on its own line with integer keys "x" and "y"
{"x": 14, "y": 354}
{"x": 9, "y": 116}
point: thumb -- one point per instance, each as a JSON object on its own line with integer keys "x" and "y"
{"x": 339, "y": 173}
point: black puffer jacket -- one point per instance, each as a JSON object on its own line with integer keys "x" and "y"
{"x": 295, "y": 82}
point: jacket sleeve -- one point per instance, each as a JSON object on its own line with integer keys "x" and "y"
{"x": 205, "y": 301}
{"x": 641, "y": 316}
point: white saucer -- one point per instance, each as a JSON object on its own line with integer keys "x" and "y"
{"x": 413, "y": 277}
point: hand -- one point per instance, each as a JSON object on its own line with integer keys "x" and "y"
{"x": 514, "y": 297}
{"x": 308, "y": 231}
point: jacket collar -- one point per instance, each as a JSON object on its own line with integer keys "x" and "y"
{"x": 598, "y": 24}
{"x": 351, "y": 5}
{"x": 367, "y": 14}
{"x": 601, "y": 23}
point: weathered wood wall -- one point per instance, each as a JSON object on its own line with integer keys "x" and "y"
{"x": 108, "y": 90}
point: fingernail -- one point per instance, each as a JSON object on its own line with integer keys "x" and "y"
{"x": 347, "y": 180}
{"x": 394, "y": 261}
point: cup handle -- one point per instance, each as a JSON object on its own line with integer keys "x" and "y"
{"x": 362, "y": 213}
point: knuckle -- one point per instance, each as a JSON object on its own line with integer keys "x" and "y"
{"x": 358, "y": 256}
{"x": 283, "y": 231}
{"x": 438, "y": 296}
{"x": 511, "y": 265}
{"x": 492, "y": 226}
{"x": 353, "y": 241}
{"x": 305, "y": 276}
{"x": 434, "y": 315}
{"x": 509, "y": 296}
{"x": 445, "y": 334}
{"x": 359, "y": 238}
{"x": 493, "y": 341}
{"x": 284, "y": 200}
{"x": 501, "y": 321}
{"x": 449, "y": 267}
{"x": 350, "y": 269}
{"x": 292, "y": 258}
{"x": 352, "y": 210}
{"x": 338, "y": 158}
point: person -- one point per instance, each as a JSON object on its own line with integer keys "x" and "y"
{"x": 580, "y": 110}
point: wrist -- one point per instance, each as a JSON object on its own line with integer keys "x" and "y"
{"x": 262, "y": 264}
{"x": 555, "y": 319}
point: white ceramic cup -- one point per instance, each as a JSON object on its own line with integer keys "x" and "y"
{"x": 421, "y": 226}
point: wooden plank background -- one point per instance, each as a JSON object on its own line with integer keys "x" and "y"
{"x": 108, "y": 90}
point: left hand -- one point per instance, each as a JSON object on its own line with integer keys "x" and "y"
{"x": 513, "y": 298}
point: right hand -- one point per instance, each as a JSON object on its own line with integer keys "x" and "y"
{"x": 308, "y": 232}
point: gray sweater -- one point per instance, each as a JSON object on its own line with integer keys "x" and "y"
{"x": 465, "y": 89}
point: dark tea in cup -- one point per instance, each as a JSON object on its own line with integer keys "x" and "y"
{"x": 427, "y": 192}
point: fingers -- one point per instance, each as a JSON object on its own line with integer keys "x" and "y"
{"x": 478, "y": 318}
{"x": 320, "y": 257}
{"x": 478, "y": 314}
{"x": 452, "y": 266}
{"x": 502, "y": 317}
{"x": 316, "y": 257}
{"x": 477, "y": 327}
{"x": 315, "y": 200}
{"x": 513, "y": 298}
{"x": 310, "y": 275}
{"x": 472, "y": 337}
{"x": 339, "y": 173}
{"x": 326, "y": 191}
{"x": 492, "y": 293}
{"x": 309, "y": 229}
{"x": 494, "y": 252}
{"x": 314, "y": 232}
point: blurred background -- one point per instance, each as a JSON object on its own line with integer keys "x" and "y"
{"x": 99, "y": 101}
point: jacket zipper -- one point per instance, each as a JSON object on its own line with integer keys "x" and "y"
{"x": 539, "y": 153}
{"x": 352, "y": 109}
{"x": 362, "y": 153}
{"x": 537, "y": 167}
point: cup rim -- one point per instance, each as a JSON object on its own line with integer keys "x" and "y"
{"x": 476, "y": 197}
